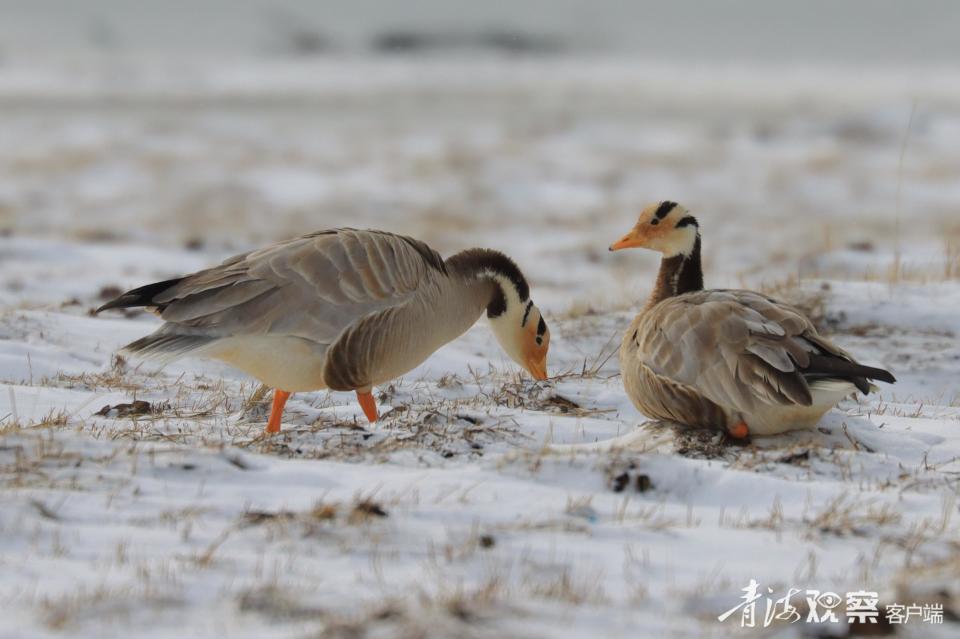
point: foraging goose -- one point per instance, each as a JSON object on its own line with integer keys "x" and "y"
{"x": 729, "y": 359}
{"x": 341, "y": 309}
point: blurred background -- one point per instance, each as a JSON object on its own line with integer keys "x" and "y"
{"x": 138, "y": 139}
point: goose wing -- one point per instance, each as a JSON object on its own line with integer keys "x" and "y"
{"x": 741, "y": 349}
{"x": 311, "y": 287}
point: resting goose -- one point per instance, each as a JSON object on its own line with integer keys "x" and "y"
{"x": 729, "y": 359}
{"x": 341, "y": 309}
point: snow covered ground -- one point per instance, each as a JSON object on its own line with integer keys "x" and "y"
{"x": 466, "y": 512}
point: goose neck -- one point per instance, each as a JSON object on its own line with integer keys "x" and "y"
{"x": 679, "y": 274}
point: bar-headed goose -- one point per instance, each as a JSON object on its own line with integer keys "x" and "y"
{"x": 341, "y": 309}
{"x": 729, "y": 359}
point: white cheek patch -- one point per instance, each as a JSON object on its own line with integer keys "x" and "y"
{"x": 515, "y": 307}
{"x": 678, "y": 241}
{"x": 507, "y": 326}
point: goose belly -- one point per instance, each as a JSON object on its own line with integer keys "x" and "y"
{"x": 775, "y": 419}
{"x": 288, "y": 363}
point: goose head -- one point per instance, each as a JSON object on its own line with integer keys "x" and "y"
{"x": 519, "y": 327}
{"x": 515, "y": 319}
{"x": 666, "y": 227}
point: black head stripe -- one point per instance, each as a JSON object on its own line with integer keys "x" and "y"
{"x": 688, "y": 221}
{"x": 498, "y": 305}
{"x": 484, "y": 262}
{"x": 526, "y": 313}
{"x": 664, "y": 209}
{"x": 541, "y": 327}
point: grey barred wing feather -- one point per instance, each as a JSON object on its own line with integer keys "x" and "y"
{"x": 737, "y": 348}
{"x": 311, "y": 287}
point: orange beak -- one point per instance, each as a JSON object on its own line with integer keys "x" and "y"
{"x": 537, "y": 369}
{"x": 630, "y": 240}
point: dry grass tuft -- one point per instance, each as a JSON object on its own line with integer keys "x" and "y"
{"x": 364, "y": 510}
{"x": 951, "y": 262}
{"x": 564, "y": 587}
{"x": 279, "y": 604}
{"x": 54, "y": 419}
{"x": 844, "y": 516}
{"x": 76, "y": 608}
{"x": 461, "y": 612}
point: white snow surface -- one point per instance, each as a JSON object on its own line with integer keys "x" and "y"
{"x": 461, "y": 514}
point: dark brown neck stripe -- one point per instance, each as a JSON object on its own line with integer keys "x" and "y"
{"x": 678, "y": 274}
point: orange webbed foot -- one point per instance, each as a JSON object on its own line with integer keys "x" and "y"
{"x": 740, "y": 430}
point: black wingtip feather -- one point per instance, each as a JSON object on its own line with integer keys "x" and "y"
{"x": 839, "y": 368}
{"x": 142, "y": 296}
{"x": 880, "y": 374}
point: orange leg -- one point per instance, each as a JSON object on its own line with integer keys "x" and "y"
{"x": 276, "y": 411}
{"x": 369, "y": 405}
{"x": 739, "y": 430}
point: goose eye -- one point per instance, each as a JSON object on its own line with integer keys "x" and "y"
{"x": 539, "y": 340}
{"x": 655, "y": 221}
